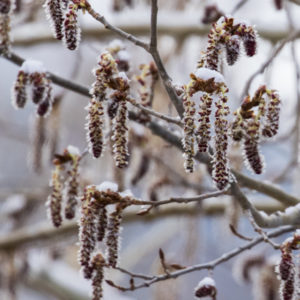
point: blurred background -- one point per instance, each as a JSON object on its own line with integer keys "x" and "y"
{"x": 39, "y": 261}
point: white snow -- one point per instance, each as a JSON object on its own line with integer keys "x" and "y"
{"x": 123, "y": 76}
{"x": 206, "y": 281}
{"x": 116, "y": 45}
{"x": 205, "y": 74}
{"x": 73, "y": 150}
{"x": 107, "y": 185}
{"x": 30, "y": 66}
{"x": 126, "y": 193}
{"x": 123, "y": 55}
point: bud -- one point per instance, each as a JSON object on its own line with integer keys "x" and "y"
{"x": 206, "y": 288}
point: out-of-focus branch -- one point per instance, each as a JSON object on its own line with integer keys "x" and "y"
{"x": 212, "y": 264}
{"x": 137, "y": 28}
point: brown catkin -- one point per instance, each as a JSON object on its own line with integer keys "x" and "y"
{"x": 189, "y": 130}
{"x": 112, "y": 237}
{"x": 94, "y": 127}
{"x": 55, "y": 198}
{"x": 44, "y": 107}
{"x": 5, "y": 6}
{"x": 5, "y": 41}
{"x": 101, "y": 222}
{"x": 203, "y": 130}
{"x": 220, "y": 172}
{"x": 71, "y": 28}
{"x": 97, "y": 265}
{"x": 120, "y": 136}
{"x": 19, "y": 95}
{"x": 87, "y": 231}
{"x": 72, "y": 189}
{"x": 55, "y": 15}
{"x": 39, "y": 85}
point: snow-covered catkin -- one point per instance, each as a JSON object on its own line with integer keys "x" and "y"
{"x": 232, "y": 50}
{"x": 87, "y": 231}
{"x": 97, "y": 265}
{"x": 206, "y": 288}
{"x": 55, "y": 198}
{"x": 220, "y": 172}
{"x": 112, "y": 237}
{"x": 71, "y": 27}
{"x": 95, "y": 127}
{"x": 19, "y": 95}
{"x": 251, "y": 147}
{"x": 72, "y": 188}
{"x": 55, "y": 15}
{"x": 203, "y": 129}
{"x": 5, "y": 41}
{"x": 271, "y": 125}
{"x": 237, "y": 127}
{"x": 120, "y": 136}
{"x": 189, "y": 129}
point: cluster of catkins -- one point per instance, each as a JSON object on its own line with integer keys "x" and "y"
{"x": 32, "y": 75}
{"x": 226, "y": 34}
{"x": 249, "y": 125}
{"x": 210, "y": 84}
{"x": 206, "y": 288}
{"x": 289, "y": 275}
{"x": 96, "y": 225}
{"x": 63, "y": 15}
{"x": 64, "y": 186}
{"x": 6, "y": 8}
{"x": 111, "y": 89}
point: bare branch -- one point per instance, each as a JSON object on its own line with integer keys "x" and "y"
{"x": 214, "y": 263}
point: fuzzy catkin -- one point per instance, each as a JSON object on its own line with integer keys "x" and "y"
{"x": 97, "y": 265}
{"x": 5, "y": 41}
{"x": 19, "y": 95}
{"x": 55, "y": 15}
{"x": 95, "y": 127}
{"x": 112, "y": 237}
{"x": 87, "y": 231}
{"x": 203, "y": 130}
{"x": 220, "y": 173}
{"x": 55, "y": 198}
{"x": 71, "y": 28}
{"x": 120, "y": 136}
{"x": 189, "y": 128}
{"x": 72, "y": 189}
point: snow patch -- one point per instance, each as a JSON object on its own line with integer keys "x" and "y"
{"x": 207, "y": 281}
{"x": 205, "y": 74}
{"x": 73, "y": 150}
{"x": 107, "y": 185}
{"x": 126, "y": 193}
{"x": 30, "y": 66}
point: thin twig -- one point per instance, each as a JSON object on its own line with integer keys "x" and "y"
{"x": 238, "y": 6}
{"x": 274, "y": 53}
{"x": 156, "y": 114}
{"x": 214, "y": 263}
